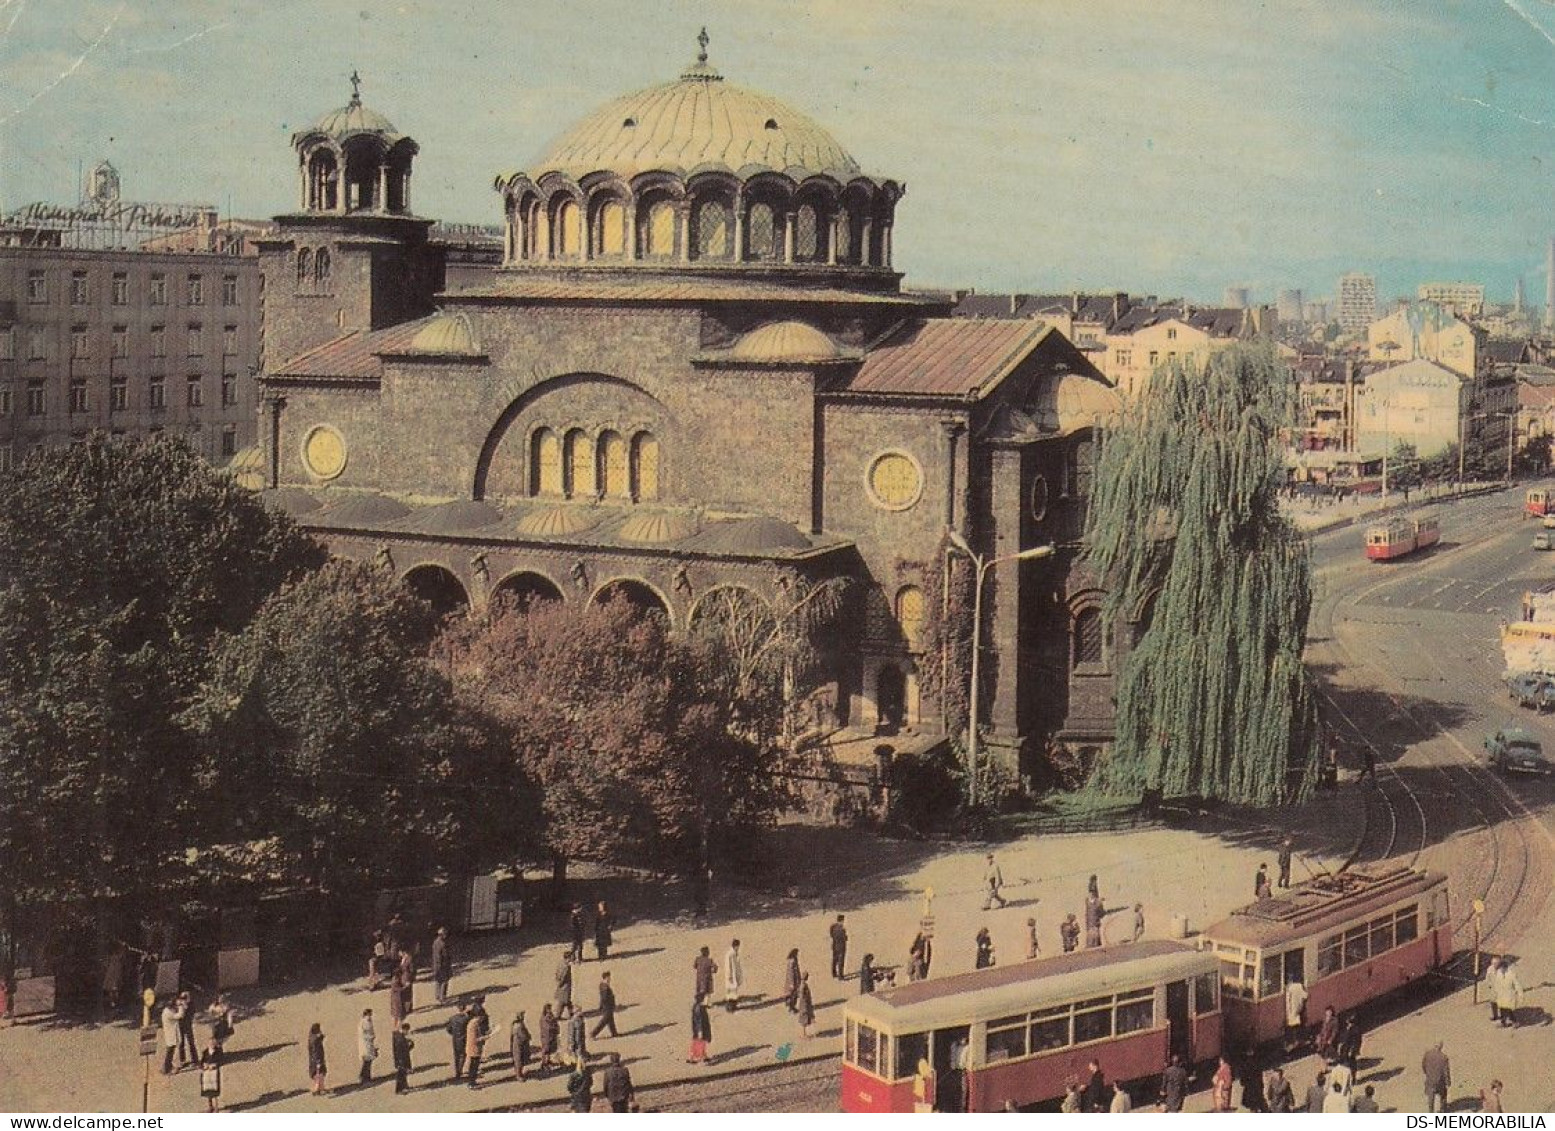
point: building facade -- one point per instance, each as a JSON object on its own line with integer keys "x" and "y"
{"x": 1357, "y": 301}
{"x": 695, "y": 378}
{"x": 1466, "y": 300}
{"x": 1427, "y": 331}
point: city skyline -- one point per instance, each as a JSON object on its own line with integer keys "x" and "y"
{"x": 1117, "y": 146}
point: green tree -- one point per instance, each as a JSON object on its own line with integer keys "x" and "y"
{"x": 1404, "y": 470}
{"x": 1185, "y": 527}
{"x": 120, "y": 565}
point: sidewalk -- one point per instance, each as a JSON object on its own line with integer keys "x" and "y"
{"x": 55, "y": 1064}
{"x": 1317, "y": 518}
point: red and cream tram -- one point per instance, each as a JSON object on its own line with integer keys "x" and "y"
{"x": 972, "y": 1042}
{"x": 1539, "y": 501}
{"x": 1347, "y": 938}
{"x": 1399, "y": 536}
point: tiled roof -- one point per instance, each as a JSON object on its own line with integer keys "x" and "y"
{"x": 946, "y": 357}
{"x": 1536, "y": 396}
{"x": 1082, "y": 308}
{"x": 352, "y": 355}
{"x": 514, "y": 285}
{"x": 1509, "y": 350}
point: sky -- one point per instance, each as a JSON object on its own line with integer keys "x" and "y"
{"x": 1047, "y": 145}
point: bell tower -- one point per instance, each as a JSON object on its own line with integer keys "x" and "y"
{"x": 352, "y": 256}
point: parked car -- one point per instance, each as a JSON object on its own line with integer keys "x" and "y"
{"x": 1530, "y": 689}
{"x": 1514, "y": 750}
{"x": 1544, "y": 540}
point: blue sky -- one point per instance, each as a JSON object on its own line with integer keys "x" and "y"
{"x": 1046, "y": 144}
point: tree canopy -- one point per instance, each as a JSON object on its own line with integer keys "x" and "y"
{"x": 1184, "y": 526}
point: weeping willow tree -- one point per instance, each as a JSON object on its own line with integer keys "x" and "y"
{"x": 1184, "y": 528}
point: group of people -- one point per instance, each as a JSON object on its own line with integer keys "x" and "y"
{"x": 178, "y": 1038}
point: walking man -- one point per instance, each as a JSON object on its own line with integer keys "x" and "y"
{"x": 564, "y": 982}
{"x": 993, "y": 880}
{"x": 1295, "y": 1013}
{"x": 576, "y": 923}
{"x": 186, "y": 1031}
{"x": 703, "y": 967}
{"x": 402, "y": 1046}
{"x": 1069, "y": 933}
{"x": 617, "y": 1085}
{"x": 1139, "y": 922}
{"x": 604, "y": 923}
{"x": 1094, "y": 910}
{"x": 734, "y": 976}
{"x": 1437, "y": 1070}
{"x": 442, "y": 965}
{"x": 1509, "y": 994}
{"x": 1284, "y": 862}
{"x": 458, "y": 1030}
{"x": 577, "y": 1037}
{"x": 839, "y": 950}
{"x": 170, "y": 1016}
{"x": 607, "y": 1007}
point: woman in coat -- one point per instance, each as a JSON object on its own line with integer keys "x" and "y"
{"x": 791, "y": 981}
{"x": 522, "y": 1045}
{"x": 210, "y": 1076}
{"x": 550, "y": 1037}
{"x": 407, "y": 984}
{"x": 317, "y": 1068}
{"x": 701, "y": 1031}
{"x": 806, "y": 1006}
{"x": 1509, "y": 994}
{"x": 1220, "y": 1094}
{"x": 396, "y": 999}
{"x": 367, "y": 1045}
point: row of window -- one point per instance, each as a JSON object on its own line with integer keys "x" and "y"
{"x": 578, "y": 465}
{"x": 156, "y": 293}
{"x": 1368, "y": 940}
{"x": 79, "y": 398}
{"x": 313, "y": 269}
{"x": 229, "y": 444}
{"x": 118, "y": 342}
{"x": 1355, "y": 945}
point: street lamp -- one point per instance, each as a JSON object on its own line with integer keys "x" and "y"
{"x": 983, "y": 565}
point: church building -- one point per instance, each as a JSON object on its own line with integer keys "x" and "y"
{"x": 695, "y": 371}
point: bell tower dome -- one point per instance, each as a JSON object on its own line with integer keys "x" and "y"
{"x": 354, "y": 160}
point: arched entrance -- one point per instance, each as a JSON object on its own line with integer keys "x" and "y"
{"x": 891, "y": 698}
{"x": 523, "y": 589}
{"x": 638, "y": 593}
{"x": 439, "y": 588}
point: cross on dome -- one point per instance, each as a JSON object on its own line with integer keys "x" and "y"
{"x": 702, "y": 42}
{"x": 356, "y": 87}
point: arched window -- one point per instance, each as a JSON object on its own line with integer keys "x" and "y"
{"x": 658, "y": 231}
{"x": 612, "y": 229}
{"x": 614, "y": 466}
{"x": 1090, "y": 639}
{"x": 321, "y": 267}
{"x": 845, "y": 236}
{"x": 645, "y": 466}
{"x": 304, "y": 268}
{"x": 911, "y": 611}
{"x": 580, "y": 464}
{"x": 566, "y": 238}
{"x": 807, "y": 234}
{"x": 533, "y": 240}
{"x": 714, "y": 240}
{"x": 761, "y": 233}
{"x": 545, "y": 463}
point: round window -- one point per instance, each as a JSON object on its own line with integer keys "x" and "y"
{"x": 1039, "y": 497}
{"x": 894, "y": 481}
{"x": 324, "y": 452}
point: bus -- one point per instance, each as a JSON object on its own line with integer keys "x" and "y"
{"x": 1348, "y": 938}
{"x": 1400, "y": 536}
{"x": 1020, "y": 1033}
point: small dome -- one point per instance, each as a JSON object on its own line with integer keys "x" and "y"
{"x": 753, "y": 536}
{"x": 786, "y": 341}
{"x": 447, "y": 333}
{"x": 556, "y": 521}
{"x": 290, "y": 500}
{"x": 247, "y": 469}
{"x": 451, "y": 518}
{"x": 657, "y": 528}
{"x": 353, "y": 118}
{"x": 364, "y": 510}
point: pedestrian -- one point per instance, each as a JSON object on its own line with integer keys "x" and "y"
{"x": 1121, "y": 1102}
{"x": 1220, "y": 1087}
{"x": 1283, "y": 859}
{"x": 1493, "y": 988}
{"x": 1261, "y": 888}
{"x": 377, "y": 960}
{"x": 1069, "y": 933}
{"x": 866, "y": 975}
{"x": 113, "y": 976}
{"x": 1094, "y": 912}
{"x": 550, "y": 1037}
{"x": 984, "y": 942}
{"x": 1368, "y": 765}
{"x": 1278, "y": 1094}
{"x": 395, "y": 936}
{"x": 1252, "y": 1083}
{"x": 1509, "y": 993}
{"x": 1489, "y": 1100}
{"x": 1295, "y": 1013}
{"x": 401, "y": 1044}
{"x": 839, "y": 950}
{"x": 442, "y": 966}
{"x": 210, "y": 1076}
{"x": 1095, "y": 1096}
{"x": 318, "y": 1068}
{"x": 703, "y": 968}
{"x": 1350, "y": 1044}
{"x": 993, "y": 880}
{"x": 367, "y": 1045}
{"x": 919, "y": 955}
{"x": 1328, "y": 1036}
{"x": 475, "y": 1037}
{"x": 734, "y": 976}
{"x": 575, "y": 922}
{"x": 458, "y": 1032}
{"x": 1092, "y": 887}
{"x": 1317, "y": 1094}
{"x": 1174, "y": 1085}
{"x": 791, "y": 980}
{"x": 1072, "y": 1101}
{"x": 617, "y": 1085}
{"x": 1033, "y": 944}
{"x": 1336, "y": 1102}
{"x": 170, "y": 1016}
{"x": 564, "y": 982}
{"x": 701, "y": 1031}
{"x": 521, "y": 1044}
{"x": 577, "y": 1036}
{"x": 1366, "y": 1104}
{"x": 397, "y": 998}
{"x": 188, "y": 1049}
{"x": 1139, "y": 922}
{"x": 806, "y": 1009}
{"x": 1340, "y": 1076}
{"x": 580, "y": 1088}
{"x": 222, "y": 1025}
{"x": 607, "y": 1007}
{"x": 604, "y": 924}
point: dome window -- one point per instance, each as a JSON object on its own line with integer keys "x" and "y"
{"x": 771, "y": 124}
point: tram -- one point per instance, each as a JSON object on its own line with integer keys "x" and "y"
{"x": 1539, "y": 501}
{"x": 1400, "y": 536}
{"x": 1348, "y": 938}
{"x": 1019, "y": 1033}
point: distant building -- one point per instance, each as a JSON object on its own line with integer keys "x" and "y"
{"x": 1425, "y": 330}
{"x": 1150, "y": 336}
{"x": 1357, "y": 301}
{"x": 1289, "y": 307}
{"x": 1466, "y": 300}
{"x": 1235, "y": 298}
{"x": 1419, "y": 403}
{"x": 1084, "y": 319}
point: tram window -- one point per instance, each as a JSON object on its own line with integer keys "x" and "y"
{"x": 1355, "y": 951}
{"x": 1135, "y": 1015}
{"x": 1382, "y": 935}
{"x": 1007, "y": 1038}
{"x": 1231, "y": 977}
{"x": 1408, "y": 924}
{"x": 1049, "y": 1033}
{"x": 1269, "y": 982}
{"x": 867, "y": 1049}
{"x": 910, "y": 1049}
{"x": 1295, "y": 965}
{"x": 1328, "y": 956}
{"x": 1204, "y": 994}
{"x": 850, "y": 1043}
{"x": 1093, "y": 1025}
